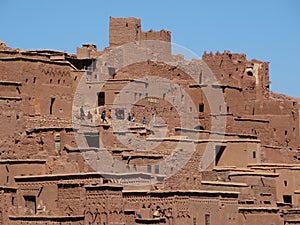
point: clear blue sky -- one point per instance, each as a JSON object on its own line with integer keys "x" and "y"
{"x": 266, "y": 30}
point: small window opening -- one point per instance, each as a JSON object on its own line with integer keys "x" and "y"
{"x": 57, "y": 142}
{"x": 254, "y": 155}
{"x": 156, "y": 169}
{"x": 285, "y": 183}
{"x": 200, "y": 78}
{"x": 149, "y": 168}
{"x": 249, "y": 73}
{"x": 18, "y": 90}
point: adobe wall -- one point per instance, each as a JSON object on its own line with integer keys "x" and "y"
{"x": 8, "y": 203}
{"x": 266, "y": 217}
{"x": 11, "y": 168}
{"x": 287, "y": 183}
{"x": 125, "y": 30}
{"x": 59, "y": 195}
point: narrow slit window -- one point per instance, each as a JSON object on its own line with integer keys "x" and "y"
{"x": 51, "y": 105}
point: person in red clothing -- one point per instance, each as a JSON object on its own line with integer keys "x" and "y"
{"x": 89, "y": 116}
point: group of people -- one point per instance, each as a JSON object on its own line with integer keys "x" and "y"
{"x": 132, "y": 119}
{"x": 89, "y": 117}
{"x": 106, "y": 115}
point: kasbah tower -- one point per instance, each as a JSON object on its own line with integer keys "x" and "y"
{"x": 132, "y": 134}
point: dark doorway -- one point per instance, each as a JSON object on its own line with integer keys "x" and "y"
{"x": 219, "y": 152}
{"x": 51, "y": 105}
{"x": 92, "y": 139}
{"x": 111, "y": 71}
{"x": 201, "y": 107}
{"x": 287, "y": 199}
{"x": 30, "y": 203}
{"x": 101, "y": 98}
{"x": 200, "y": 78}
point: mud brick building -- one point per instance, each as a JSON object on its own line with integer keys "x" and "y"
{"x": 58, "y": 168}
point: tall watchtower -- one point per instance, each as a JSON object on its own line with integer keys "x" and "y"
{"x": 124, "y": 30}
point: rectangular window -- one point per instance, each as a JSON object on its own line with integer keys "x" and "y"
{"x": 57, "y": 142}
{"x": 254, "y": 155}
{"x": 57, "y": 145}
{"x": 156, "y": 169}
{"x": 120, "y": 114}
{"x": 207, "y": 219}
{"x": 149, "y": 169}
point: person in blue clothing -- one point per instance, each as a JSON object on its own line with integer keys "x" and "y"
{"x": 103, "y": 116}
{"x": 144, "y": 121}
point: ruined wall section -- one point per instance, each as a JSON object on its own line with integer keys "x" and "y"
{"x": 11, "y": 118}
{"x": 245, "y": 85}
{"x": 237, "y": 80}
